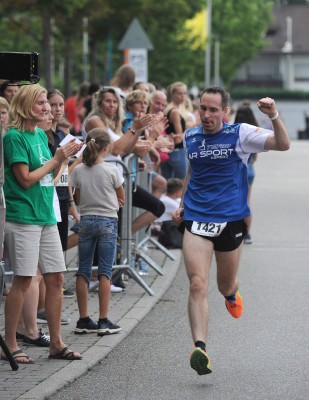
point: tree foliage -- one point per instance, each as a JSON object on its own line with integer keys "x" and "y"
{"x": 240, "y": 26}
{"x": 171, "y": 58}
{"x": 28, "y": 25}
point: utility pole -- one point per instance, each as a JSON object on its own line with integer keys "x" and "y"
{"x": 85, "y": 49}
{"x": 217, "y": 62}
{"x": 208, "y": 43}
{"x": 109, "y": 58}
{"x": 287, "y": 49}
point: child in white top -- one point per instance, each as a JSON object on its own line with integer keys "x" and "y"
{"x": 169, "y": 235}
{"x": 171, "y": 199}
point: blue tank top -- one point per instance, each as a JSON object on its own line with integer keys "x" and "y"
{"x": 218, "y": 187}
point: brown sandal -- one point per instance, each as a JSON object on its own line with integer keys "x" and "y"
{"x": 18, "y": 355}
{"x": 65, "y": 354}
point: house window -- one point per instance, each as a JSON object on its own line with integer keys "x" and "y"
{"x": 301, "y": 71}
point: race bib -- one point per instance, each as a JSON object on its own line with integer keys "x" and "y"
{"x": 64, "y": 178}
{"x": 210, "y": 229}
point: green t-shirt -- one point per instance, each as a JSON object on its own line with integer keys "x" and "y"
{"x": 34, "y": 205}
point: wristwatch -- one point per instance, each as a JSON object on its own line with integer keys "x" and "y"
{"x": 132, "y": 130}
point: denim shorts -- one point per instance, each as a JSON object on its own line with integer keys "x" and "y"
{"x": 97, "y": 233}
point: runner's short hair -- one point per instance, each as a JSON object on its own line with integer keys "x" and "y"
{"x": 225, "y": 96}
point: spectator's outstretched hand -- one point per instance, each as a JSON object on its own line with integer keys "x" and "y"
{"x": 143, "y": 121}
{"x": 159, "y": 125}
{"x": 142, "y": 147}
{"x": 178, "y": 215}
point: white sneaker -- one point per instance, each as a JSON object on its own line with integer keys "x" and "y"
{"x": 143, "y": 273}
{"x": 116, "y": 289}
{"x": 93, "y": 286}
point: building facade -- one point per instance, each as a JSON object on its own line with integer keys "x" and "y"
{"x": 284, "y": 62}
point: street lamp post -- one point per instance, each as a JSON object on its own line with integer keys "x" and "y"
{"x": 287, "y": 49}
{"x": 85, "y": 48}
{"x": 217, "y": 62}
{"x": 208, "y": 42}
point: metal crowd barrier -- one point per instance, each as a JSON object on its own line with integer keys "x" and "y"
{"x": 130, "y": 248}
{"x": 126, "y": 241}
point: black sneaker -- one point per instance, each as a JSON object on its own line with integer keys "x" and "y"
{"x": 86, "y": 326}
{"x": 106, "y": 327}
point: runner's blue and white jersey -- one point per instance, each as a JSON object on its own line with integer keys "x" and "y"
{"x": 217, "y": 190}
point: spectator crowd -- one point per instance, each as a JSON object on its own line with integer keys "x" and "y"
{"x": 55, "y": 150}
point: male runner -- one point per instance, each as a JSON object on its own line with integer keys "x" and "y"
{"x": 214, "y": 203}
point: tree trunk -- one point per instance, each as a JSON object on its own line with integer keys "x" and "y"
{"x": 93, "y": 61}
{"x": 67, "y": 69}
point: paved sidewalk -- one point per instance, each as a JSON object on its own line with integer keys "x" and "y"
{"x": 45, "y": 377}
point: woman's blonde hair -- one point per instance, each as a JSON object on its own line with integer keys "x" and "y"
{"x": 173, "y": 87}
{"x": 170, "y": 92}
{"x": 22, "y": 105}
{"x": 124, "y": 77}
{"x": 115, "y": 123}
{"x": 97, "y": 139}
{"x": 136, "y": 95}
{"x": 4, "y": 103}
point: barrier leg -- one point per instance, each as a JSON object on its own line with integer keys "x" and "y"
{"x": 119, "y": 269}
{"x": 158, "y": 245}
{"x": 141, "y": 254}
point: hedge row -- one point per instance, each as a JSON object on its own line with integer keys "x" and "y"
{"x": 278, "y": 93}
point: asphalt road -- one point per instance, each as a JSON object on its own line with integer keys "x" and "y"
{"x": 262, "y": 356}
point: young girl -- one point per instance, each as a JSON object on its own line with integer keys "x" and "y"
{"x": 99, "y": 186}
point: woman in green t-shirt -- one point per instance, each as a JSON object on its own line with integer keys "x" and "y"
{"x": 31, "y": 235}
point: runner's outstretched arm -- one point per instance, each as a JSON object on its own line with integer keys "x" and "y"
{"x": 280, "y": 139}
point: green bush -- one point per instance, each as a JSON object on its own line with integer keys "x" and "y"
{"x": 258, "y": 92}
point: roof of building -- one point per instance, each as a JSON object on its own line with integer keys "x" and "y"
{"x": 277, "y": 32}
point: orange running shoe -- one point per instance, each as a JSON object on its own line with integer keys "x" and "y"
{"x": 200, "y": 361}
{"x": 235, "y": 307}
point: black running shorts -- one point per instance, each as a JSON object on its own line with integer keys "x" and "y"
{"x": 229, "y": 239}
